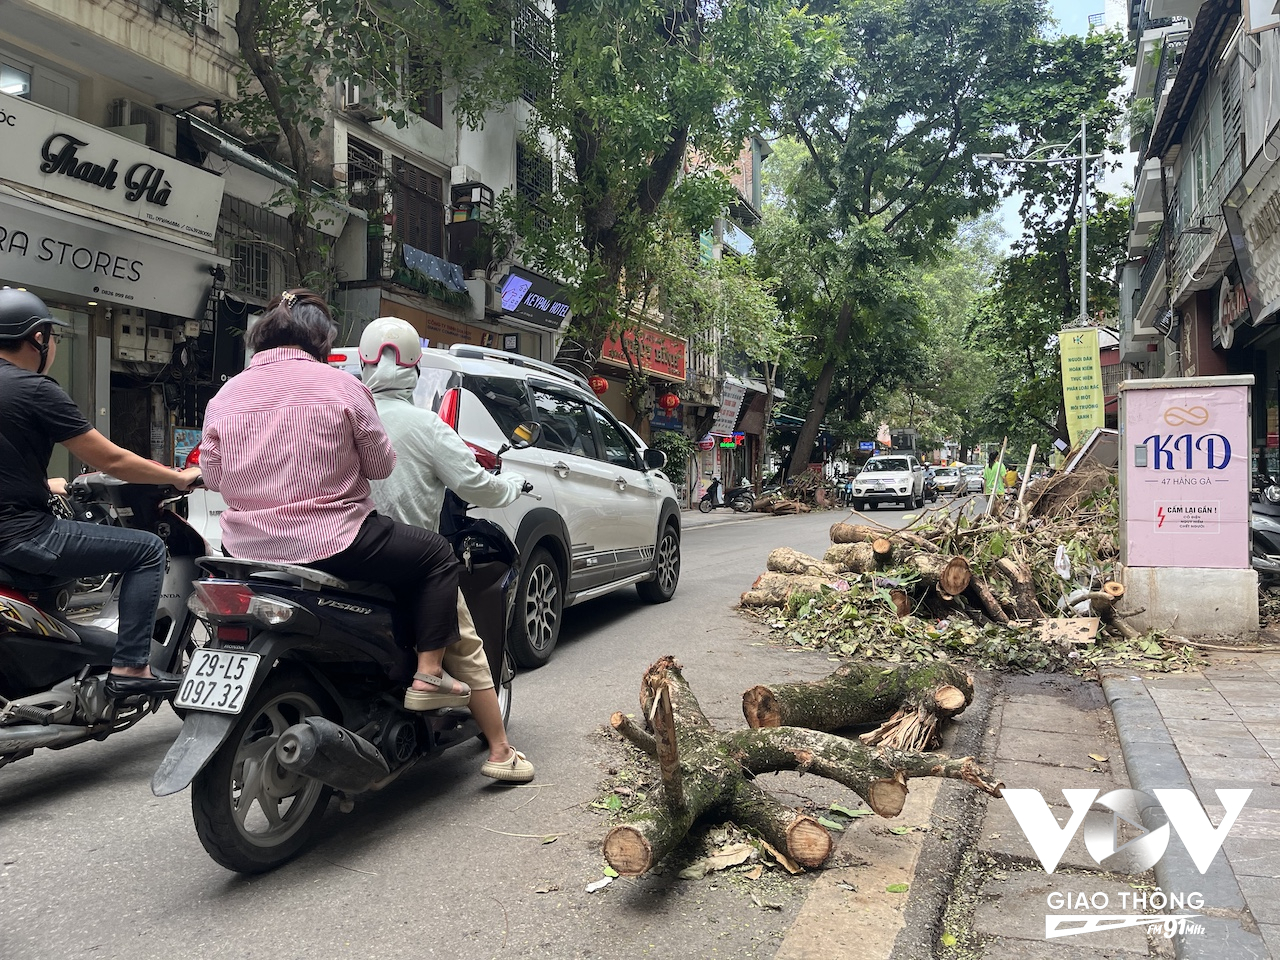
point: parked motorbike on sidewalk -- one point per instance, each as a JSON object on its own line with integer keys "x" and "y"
{"x": 299, "y": 693}
{"x": 739, "y": 499}
{"x": 1264, "y": 529}
{"x": 53, "y": 669}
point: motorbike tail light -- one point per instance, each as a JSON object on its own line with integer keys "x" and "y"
{"x": 486, "y": 458}
{"x": 225, "y": 599}
{"x": 449, "y": 404}
{"x": 232, "y": 634}
{"x": 193, "y": 458}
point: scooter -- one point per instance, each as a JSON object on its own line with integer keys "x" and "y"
{"x": 299, "y": 693}
{"x": 53, "y": 669}
{"x": 740, "y": 499}
{"x": 1264, "y": 527}
{"x": 930, "y": 487}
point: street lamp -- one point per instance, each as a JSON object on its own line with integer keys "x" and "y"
{"x": 1084, "y": 157}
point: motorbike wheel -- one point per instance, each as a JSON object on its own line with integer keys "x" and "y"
{"x": 250, "y": 813}
{"x": 742, "y": 505}
{"x": 539, "y": 603}
{"x": 667, "y": 564}
{"x": 705, "y": 505}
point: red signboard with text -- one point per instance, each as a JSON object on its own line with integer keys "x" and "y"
{"x": 655, "y": 352}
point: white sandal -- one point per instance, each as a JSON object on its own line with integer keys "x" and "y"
{"x": 434, "y": 700}
{"x": 516, "y": 770}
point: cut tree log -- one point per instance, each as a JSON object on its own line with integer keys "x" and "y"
{"x": 786, "y": 560}
{"x": 716, "y": 771}
{"x": 882, "y": 549}
{"x": 1022, "y": 589}
{"x": 867, "y": 693}
{"x": 772, "y": 589}
{"x": 790, "y": 506}
{"x": 955, "y": 577}
{"x": 851, "y": 557}
{"x": 982, "y": 597}
{"x": 861, "y": 533}
{"x": 1103, "y": 605}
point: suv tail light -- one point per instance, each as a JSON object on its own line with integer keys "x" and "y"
{"x": 337, "y": 358}
{"x": 449, "y": 404}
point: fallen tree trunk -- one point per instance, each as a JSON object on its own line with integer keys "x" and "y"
{"x": 786, "y": 560}
{"x": 851, "y": 557}
{"x": 772, "y": 589}
{"x": 861, "y": 693}
{"x": 1022, "y": 589}
{"x": 716, "y": 769}
{"x": 986, "y": 601}
{"x": 861, "y": 533}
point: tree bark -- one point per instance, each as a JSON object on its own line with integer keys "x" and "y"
{"x": 851, "y": 557}
{"x": 775, "y": 589}
{"x": 786, "y": 560}
{"x": 985, "y": 600}
{"x": 1022, "y": 589}
{"x": 821, "y": 392}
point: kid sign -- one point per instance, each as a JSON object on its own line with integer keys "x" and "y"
{"x": 1185, "y": 487}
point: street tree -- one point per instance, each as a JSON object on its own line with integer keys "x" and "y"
{"x": 893, "y": 128}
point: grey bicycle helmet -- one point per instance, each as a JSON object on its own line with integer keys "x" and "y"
{"x": 22, "y": 314}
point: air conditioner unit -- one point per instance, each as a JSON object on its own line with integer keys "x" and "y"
{"x": 485, "y": 297}
{"x": 463, "y": 173}
{"x": 358, "y": 102}
{"x": 144, "y": 124}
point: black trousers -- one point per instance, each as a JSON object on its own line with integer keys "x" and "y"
{"x": 419, "y": 567}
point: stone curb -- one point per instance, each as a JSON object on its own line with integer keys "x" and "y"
{"x": 1153, "y": 763}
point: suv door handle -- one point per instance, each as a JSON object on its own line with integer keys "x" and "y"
{"x": 561, "y": 468}
{"x": 621, "y": 482}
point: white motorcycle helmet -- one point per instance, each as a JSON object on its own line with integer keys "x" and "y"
{"x": 391, "y": 332}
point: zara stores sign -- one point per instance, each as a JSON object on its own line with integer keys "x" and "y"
{"x": 67, "y": 158}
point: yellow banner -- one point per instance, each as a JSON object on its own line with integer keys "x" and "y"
{"x": 1081, "y": 382}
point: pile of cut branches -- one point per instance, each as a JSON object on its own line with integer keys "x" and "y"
{"x": 1027, "y": 587}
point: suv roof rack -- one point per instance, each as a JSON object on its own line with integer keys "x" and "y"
{"x": 517, "y": 360}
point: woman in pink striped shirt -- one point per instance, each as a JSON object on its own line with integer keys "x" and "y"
{"x": 291, "y": 444}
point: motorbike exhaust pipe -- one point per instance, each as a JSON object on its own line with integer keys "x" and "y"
{"x": 323, "y": 750}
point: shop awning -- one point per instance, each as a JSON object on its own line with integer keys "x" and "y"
{"x": 62, "y": 253}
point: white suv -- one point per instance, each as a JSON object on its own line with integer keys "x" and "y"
{"x": 602, "y": 514}
{"x": 888, "y": 478}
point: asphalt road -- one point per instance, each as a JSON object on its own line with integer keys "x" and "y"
{"x": 444, "y": 863}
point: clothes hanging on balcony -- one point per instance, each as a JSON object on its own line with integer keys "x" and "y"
{"x": 432, "y": 267}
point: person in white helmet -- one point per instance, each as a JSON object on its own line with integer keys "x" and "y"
{"x": 431, "y": 457}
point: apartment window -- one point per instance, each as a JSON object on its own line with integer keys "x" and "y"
{"x": 419, "y": 207}
{"x": 533, "y": 176}
{"x": 251, "y": 270}
{"x": 15, "y": 81}
{"x": 423, "y": 82}
{"x": 532, "y": 30}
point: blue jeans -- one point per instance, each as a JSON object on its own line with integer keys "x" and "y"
{"x": 72, "y": 550}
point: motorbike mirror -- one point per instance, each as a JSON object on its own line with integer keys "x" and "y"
{"x": 1272, "y": 493}
{"x": 654, "y": 459}
{"x": 526, "y": 434}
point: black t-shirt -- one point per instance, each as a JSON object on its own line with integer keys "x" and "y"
{"x": 35, "y": 413}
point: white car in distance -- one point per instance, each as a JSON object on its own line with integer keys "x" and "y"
{"x": 887, "y": 479}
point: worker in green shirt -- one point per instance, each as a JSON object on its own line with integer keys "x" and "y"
{"x": 993, "y": 476}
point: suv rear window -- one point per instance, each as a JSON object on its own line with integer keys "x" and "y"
{"x": 506, "y": 400}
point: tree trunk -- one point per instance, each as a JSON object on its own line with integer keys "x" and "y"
{"x": 851, "y": 557}
{"x": 821, "y": 392}
{"x": 716, "y": 770}
{"x": 1022, "y": 589}
{"x": 775, "y": 589}
{"x": 857, "y": 693}
{"x": 786, "y": 560}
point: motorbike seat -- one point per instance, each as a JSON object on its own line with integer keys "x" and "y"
{"x": 294, "y": 574}
{"x": 21, "y": 580}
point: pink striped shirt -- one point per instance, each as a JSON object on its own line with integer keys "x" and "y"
{"x": 291, "y": 444}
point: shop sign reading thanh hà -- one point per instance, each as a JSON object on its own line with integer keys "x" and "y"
{"x": 1081, "y": 382}
{"x": 67, "y": 158}
{"x": 43, "y": 247}
{"x": 1185, "y": 483}
{"x": 656, "y": 353}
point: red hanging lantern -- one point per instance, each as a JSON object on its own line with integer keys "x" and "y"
{"x": 598, "y": 384}
{"x": 668, "y": 402}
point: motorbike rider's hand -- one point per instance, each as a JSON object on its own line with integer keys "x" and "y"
{"x": 186, "y": 478}
{"x": 516, "y": 480}
{"x": 58, "y": 486}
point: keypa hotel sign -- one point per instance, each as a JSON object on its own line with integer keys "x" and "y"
{"x": 70, "y": 160}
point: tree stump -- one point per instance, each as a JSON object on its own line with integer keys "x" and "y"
{"x": 716, "y": 769}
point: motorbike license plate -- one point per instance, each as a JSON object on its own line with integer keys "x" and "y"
{"x": 217, "y": 681}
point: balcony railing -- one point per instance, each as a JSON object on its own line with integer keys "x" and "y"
{"x": 1171, "y": 51}
{"x": 1191, "y": 247}
{"x": 1155, "y": 259}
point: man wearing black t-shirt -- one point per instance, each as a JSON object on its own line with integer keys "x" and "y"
{"x": 35, "y": 413}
